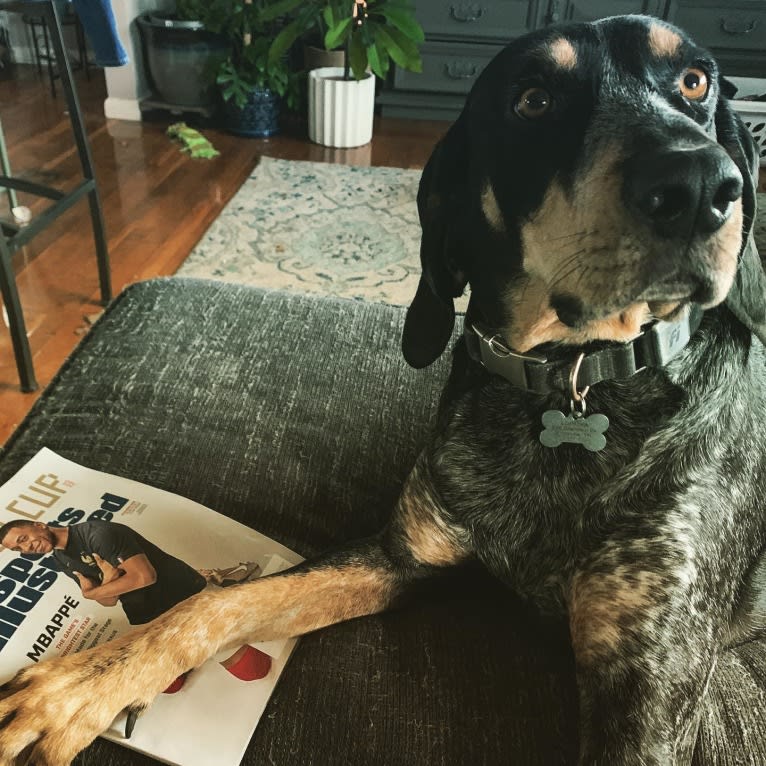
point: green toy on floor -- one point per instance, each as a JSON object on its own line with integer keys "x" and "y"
{"x": 193, "y": 142}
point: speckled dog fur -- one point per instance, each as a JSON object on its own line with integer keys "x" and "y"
{"x": 654, "y": 547}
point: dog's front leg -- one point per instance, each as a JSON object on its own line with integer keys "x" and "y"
{"x": 49, "y": 712}
{"x": 645, "y": 650}
{"x": 56, "y": 708}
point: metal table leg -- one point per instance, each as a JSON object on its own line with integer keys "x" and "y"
{"x": 18, "y": 330}
{"x": 83, "y": 148}
{"x": 6, "y": 168}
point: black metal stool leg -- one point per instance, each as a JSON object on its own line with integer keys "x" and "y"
{"x": 36, "y": 44}
{"x": 102, "y": 252}
{"x": 18, "y": 330}
{"x": 82, "y": 48}
{"x": 5, "y": 166}
{"x": 51, "y": 73}
{"x": 83, "y": 149}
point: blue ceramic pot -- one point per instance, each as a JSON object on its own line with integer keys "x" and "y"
{"x": 258, "y": 118}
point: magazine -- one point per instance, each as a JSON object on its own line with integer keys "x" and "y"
{"x": 43, "y": 612}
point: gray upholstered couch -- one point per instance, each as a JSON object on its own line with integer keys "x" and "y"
{"x": 297, "y": 416}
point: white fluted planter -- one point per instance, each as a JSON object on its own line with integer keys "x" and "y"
{"x": 340, "y": 111}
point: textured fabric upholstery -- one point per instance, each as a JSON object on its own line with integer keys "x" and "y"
{"x": 297, "y": 416}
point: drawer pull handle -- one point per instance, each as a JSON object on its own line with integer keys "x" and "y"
{"x": 466, "y": 13}
{"x": 456, "y": 70}
{"x": 734, "y": 27}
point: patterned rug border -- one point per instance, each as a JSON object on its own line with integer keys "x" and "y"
{"x": 342, "y": 230}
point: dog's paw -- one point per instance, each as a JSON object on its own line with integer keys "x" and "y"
{"x": 51, "y": 711}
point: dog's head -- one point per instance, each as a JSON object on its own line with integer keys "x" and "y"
{"x": 596, "y": 179}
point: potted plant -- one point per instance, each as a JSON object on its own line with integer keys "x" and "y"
{"x": 180, "y": 53}
{"x": 372, "y": 34}
{"x": 252, "y": 84}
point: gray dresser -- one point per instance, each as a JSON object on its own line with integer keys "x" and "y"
{"x": 463, "y": 35}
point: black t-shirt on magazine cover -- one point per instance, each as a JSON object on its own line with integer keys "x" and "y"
{"x": 114, "y": 542}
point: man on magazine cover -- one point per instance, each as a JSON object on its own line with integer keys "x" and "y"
{"x": 111, "y": 563}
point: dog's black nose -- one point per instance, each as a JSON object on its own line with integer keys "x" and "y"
{"x": 683, "y": 192}
{"x": 568, "y": 308}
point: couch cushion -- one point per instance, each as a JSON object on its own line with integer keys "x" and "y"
{"x": 297, "y": 416}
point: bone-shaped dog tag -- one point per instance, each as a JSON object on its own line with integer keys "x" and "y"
{"x": 574, "y": 428}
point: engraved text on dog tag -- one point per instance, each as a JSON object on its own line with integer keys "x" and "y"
{"x": 574, "y": 428}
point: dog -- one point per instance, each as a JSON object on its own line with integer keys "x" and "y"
{"x": 599, "y": 444}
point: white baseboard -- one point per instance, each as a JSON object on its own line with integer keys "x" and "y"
{"x": 122, "y": 109}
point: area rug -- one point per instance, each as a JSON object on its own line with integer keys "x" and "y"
{"x": 318, "y": 227}
{"x": 315, "y": 227}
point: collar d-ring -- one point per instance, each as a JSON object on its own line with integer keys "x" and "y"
{"x": 577, "y": 396}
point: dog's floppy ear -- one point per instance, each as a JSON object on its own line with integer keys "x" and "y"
{"x": 747, "y": 297}
{"x": 442, "y": 203}
{"x": 727, "y": 88}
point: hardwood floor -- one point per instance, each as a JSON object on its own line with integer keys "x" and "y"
{"x": 157, "y": 204}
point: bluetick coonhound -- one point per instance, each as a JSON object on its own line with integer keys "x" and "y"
{"x": 600, "y": 445}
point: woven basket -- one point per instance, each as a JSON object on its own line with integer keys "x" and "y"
{"x": 753, "y": 114}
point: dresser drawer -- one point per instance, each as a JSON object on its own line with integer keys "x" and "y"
{"x": 447, "y": 68}
{"x": 723, "y": 25}
{"x": 590, "y": 10}
{"x": 476, "y": 19}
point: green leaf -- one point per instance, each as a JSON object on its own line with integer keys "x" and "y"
{"x": 401, "y": 49}
{"x": 357, "y": 56}
{"x": 336, "y": 34}
{"x": 378, "y": 63}
{"x": 229, "y": 92}
{"x": 327, "y": 14}
{"x": 284, "y": 40}
{"x": 409, "y": 46}
{"x": 404, "y": 21}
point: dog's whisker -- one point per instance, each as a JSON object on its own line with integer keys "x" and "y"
{"x": 565, "y": 276}
{"x": 571, "y": 235}
{"x": 570, "y": 264}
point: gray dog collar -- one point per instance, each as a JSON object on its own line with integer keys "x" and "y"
{"x": 655, "y": 347}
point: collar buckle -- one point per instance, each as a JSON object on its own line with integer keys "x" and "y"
{"x": 498, "y": 358}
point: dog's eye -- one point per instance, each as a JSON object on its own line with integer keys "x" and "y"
{"x": 693, "y": 84}
{"x": 533, "y": 103}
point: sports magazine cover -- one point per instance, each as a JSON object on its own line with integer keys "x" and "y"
{"x": 80, "y": 531}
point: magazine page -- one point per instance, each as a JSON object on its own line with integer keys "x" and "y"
{"x": 112, "y": 526}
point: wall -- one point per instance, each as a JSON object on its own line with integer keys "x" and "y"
{"x": 126, "y": 85}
